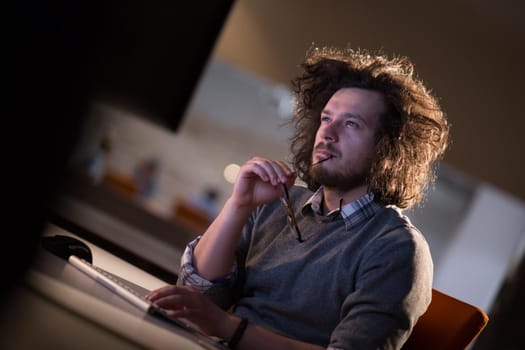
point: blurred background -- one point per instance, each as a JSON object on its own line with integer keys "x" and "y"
{"x": 140, "y": 172}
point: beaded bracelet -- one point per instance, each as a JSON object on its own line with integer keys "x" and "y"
{"x": 238, "y": 333}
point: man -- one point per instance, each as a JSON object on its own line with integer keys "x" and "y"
{"x": 350, "y": 272}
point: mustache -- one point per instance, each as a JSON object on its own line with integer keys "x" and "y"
{"x": 327, "y": 147}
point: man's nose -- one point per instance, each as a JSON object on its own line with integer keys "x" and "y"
{"x": 329, "y": 132}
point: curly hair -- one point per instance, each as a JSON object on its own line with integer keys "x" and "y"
{"x": 411, "y": 137}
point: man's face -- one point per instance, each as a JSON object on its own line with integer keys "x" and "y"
{"x": 345, "y": 141}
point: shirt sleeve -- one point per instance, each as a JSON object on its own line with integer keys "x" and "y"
{"x": 189, "y": 275}
{"x": 222, "y": 291}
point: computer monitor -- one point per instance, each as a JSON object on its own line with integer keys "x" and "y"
{"x": 151, "y": 54}
{"x": 142, "y": 55}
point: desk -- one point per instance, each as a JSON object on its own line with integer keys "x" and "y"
{"x": 59, "y": 307}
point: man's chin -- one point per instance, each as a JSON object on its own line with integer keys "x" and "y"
{"x": 339, "y": 181}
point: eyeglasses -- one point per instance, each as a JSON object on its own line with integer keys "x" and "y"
{"x": 290, "y": 213}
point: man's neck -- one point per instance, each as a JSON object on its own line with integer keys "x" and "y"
{"x": 333, "y": 196}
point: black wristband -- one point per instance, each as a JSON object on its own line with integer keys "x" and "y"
{"x": 238, "y": 333}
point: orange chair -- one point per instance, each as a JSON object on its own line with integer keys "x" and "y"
{"x": 448, "y": 324}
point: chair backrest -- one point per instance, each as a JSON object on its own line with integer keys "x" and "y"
{"x": 448, "y": 323}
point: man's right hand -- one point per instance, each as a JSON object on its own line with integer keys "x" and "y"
{"x": 260, "y": 181}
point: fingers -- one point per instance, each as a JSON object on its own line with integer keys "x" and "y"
{"x": 175, "y": 302}
{"x": 259, "y": 182}
{"x": 162, "y": 292}
{"x": 271, "y": 171}
{"x": 188, "y": 302}
{"x": 176, "y": 298}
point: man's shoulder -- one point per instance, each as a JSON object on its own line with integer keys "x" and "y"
{"x": 392, "y": 224}
{"x": 392, "y": 215}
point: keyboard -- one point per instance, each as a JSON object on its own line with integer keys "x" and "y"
{"x": 116, "y": 285}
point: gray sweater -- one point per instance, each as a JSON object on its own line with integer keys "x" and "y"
{"x": 352, "y": 284}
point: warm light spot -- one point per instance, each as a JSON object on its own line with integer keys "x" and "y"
{"x": 231, "y": 171}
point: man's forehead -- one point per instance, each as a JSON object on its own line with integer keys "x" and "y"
{"x": 356, "y": 102}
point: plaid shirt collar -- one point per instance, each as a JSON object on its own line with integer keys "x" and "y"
{"x": 353, "y": 213}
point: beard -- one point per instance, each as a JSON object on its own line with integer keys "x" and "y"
{"x": 342, "y": 179}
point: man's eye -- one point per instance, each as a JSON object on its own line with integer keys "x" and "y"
{"x": 351, "y": 124}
